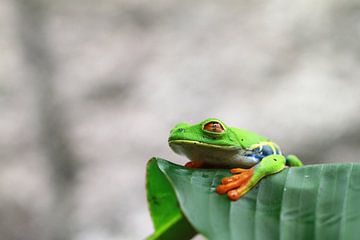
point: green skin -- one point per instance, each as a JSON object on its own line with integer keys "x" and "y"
{"x": 229, "y": 147}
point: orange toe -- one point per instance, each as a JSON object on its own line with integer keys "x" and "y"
{"x": 194, "y": 164}
{"x": 236, "y": 185}
{"x": 227, "y": 180}
{"x": 238, "y": 170}
{"x": 224, "y": 188}
{"x": 233, "y": 195}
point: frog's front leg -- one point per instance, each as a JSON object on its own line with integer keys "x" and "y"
{"x": 245, "y": 179}
{"x": 194, "y": 164}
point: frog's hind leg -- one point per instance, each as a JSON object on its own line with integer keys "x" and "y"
{"x": 239, "y": 184}
{"x": 293, "y": 161}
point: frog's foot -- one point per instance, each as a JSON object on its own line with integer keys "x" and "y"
{"x": 245, "y": 179}
{"x": 194, "y": 164}
{"x": 237, "y": 185}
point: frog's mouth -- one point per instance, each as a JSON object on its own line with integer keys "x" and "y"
{"x": 210, "y": 154}
{"x": 173, "y": 143}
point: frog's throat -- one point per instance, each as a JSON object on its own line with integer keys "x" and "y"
{"x": 221, "y": 156}
{"x": 206, "y": 145}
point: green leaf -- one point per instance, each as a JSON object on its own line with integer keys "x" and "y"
{"x": 169, "y": 222}
{"x": 310, "y": 202}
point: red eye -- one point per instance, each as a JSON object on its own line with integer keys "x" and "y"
{"x": 214, "y": 127}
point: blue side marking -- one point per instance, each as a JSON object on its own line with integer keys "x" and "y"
{"x": 261, "y": 152}
{"x": 267, "y": 150}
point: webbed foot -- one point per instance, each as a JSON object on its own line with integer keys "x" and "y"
{"x": 235, "y": 185}
{"x": 245, "y": 179}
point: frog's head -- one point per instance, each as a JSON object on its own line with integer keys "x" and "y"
{"x": 211, "y": 131}
{"x": 210, "y": 141}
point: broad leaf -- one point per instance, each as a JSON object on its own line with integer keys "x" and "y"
{"x": 310, "y": 202}
{"x": 169, "y": 222}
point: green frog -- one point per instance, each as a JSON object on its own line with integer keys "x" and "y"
{"x": 213, "y": 144}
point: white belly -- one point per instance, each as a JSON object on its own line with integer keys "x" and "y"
{"x": 214, "y": 156}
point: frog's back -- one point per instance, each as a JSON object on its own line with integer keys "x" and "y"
{"x": 246, "y": 138}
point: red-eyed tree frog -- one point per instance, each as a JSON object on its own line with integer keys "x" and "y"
{"x": 213, "y": 144}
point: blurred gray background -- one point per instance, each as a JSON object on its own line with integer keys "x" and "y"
{"x": 90, "y": 89}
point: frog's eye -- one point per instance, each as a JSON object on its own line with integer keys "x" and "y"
{"x": 214, "y": 127}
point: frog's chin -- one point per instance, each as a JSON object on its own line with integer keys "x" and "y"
{"x": 211, "y": 155}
